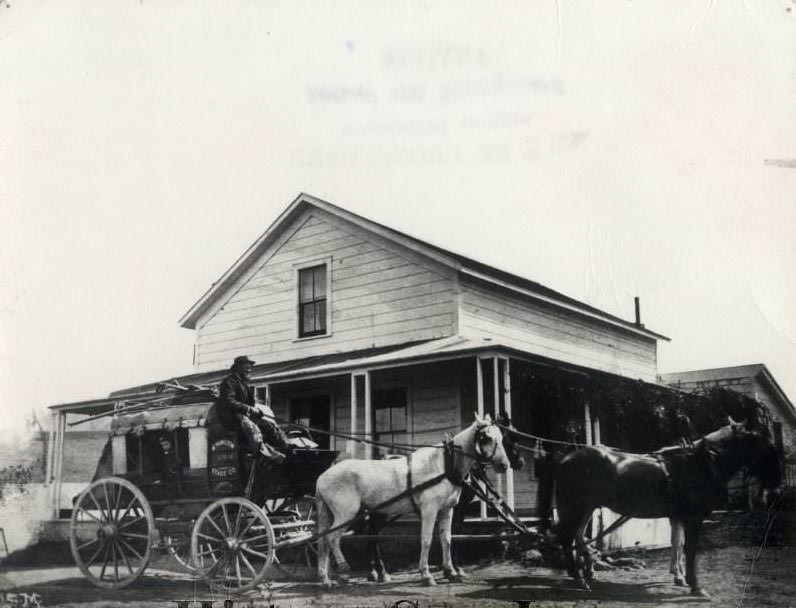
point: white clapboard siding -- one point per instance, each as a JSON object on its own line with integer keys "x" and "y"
{"x": 380, "y": 295}
{"x": 540, "y": 329}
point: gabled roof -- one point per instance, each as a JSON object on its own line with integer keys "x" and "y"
{"x": 455, "y": 261}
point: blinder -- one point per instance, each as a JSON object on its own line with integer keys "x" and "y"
{"x": 482, "y": 437}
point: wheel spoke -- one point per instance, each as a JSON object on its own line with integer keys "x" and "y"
{"x": 105, "y": 561}
{"x": 116, "y": 502}
{"x": 237, "y": 521}
{"x": 125, "y": 558}
{"x": 226, "y": 518}
{"x": 96, "y": 553}
{"x": 215, "y": 525}
{"x": 237, "y": 570}
{"x": 132, "y": 550}
{"x": 130, "y": 523}
{"x": 86, "y": 544}
{"x": 134, "y": 535}
{"x": 128, "y": 507}
{"x": 213, "y": 538}
{"x": 253, "y": 552}
{"x": 248, "y": 564}
{"x": 249, "y": 525}
{"x": 107, "y": 501}
{"x": 91, "y": 515}
{"x": 115, "y": 562}
{"x": 99, "y": 508}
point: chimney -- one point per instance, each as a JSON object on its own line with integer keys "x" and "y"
{"x": 638, "y": 311}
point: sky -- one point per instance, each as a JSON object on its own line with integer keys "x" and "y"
{"x": 607, "y": 150}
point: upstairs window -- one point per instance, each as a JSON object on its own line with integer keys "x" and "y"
{"x": 312, "y": 301}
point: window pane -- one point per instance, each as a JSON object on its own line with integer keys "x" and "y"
{"x": 305, "y": 286}
{"x": 320, "y": 316}
{"x": 307, "y": 318}
{"x": 398, "y": 421}
{"x": 319, "y": 280}
{"x": 382, "y": 420}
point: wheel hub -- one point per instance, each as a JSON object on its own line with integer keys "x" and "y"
{"x": 232, "y": 543}
{"x": 107, "y": 531}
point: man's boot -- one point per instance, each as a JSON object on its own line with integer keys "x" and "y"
{"x": 270, "y": 454}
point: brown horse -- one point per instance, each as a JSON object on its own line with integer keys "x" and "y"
{"x": 681, "y": 484}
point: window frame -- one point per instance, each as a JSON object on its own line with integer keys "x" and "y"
{"x": 303, "y": 266}
{"x": 381, "y": 437}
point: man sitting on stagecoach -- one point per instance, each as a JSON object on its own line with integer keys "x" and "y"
{"x": 238, "y": 410}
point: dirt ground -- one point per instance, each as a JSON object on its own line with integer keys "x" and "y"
{"x": 735, "y": 576}
{"x": 743, "y": 563}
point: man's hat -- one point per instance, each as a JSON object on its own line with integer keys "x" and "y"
{"x": 241, "y": 361}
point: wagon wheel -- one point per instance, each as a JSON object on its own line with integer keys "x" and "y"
{"x": 232, "y": 544}
{"x": 111, "y": 533}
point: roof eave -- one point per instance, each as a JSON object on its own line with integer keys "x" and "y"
{"x": 192, "y": 316}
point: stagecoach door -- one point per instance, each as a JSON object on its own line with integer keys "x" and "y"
{"x": 313, "y": 411}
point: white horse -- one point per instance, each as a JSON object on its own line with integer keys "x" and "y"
{"x": 436, "y": 473}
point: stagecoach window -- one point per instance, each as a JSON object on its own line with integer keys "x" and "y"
{"x": 389, "y": 409}
{"x": 312, "y": 301}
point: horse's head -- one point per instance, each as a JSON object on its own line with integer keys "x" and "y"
{"x": 750, "y": 446}
{"x": 510, "y": 441}
{"x": 488, "y": 443}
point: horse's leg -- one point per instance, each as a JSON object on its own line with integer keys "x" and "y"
{"x": 427, "y": 519}
{"x": 378, "y": 571}
{"x": 586, "y": 573}
{"x": 457, "y": 527}
{"x": 677, "y": 560}
{"x": 445, "y": 521}
{"x": 692, "y": 530}
{"x": 565, "y": 534}
{"x": 344, "y": 509}
{"x": 324, "y": 523}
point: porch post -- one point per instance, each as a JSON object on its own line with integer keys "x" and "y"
{"x": 507, "y": 406}
{"x": 59, "y": 458}
{"x": 479, "y": 381}
{"x": 350, "y": 444}
{"x": 587, "y": 423}
{"x": 48, "y": 478}
{"x": 368, "y": 449}
{"x": 496, "y": 406}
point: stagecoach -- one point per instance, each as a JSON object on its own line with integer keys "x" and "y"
{"x": 173, "y": 480}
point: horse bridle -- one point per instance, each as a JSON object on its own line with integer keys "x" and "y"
{"x": 479, "y": 454}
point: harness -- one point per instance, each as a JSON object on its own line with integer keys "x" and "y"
{"x": 450, "y": 473}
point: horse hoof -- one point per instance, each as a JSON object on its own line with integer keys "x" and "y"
{"x": 462, "y": 573}
{"x": 327, "y": 584}
{"x": 373, "y": 576}
{"x": 584, "y": 585}
{"x": 385, "y": 577}
{"x": 699, "y": 592}
{"x": 679, "y": 581}
{"x": 429, "y": 581}
{"x": 453, "y": 576}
